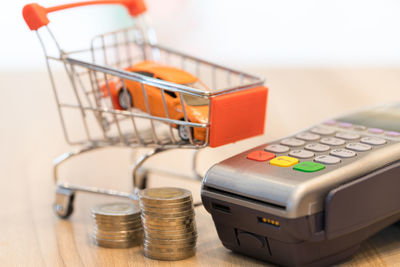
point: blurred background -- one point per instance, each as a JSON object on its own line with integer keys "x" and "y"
{"x": 319, "y": 59}
{"x": 242, "y": 34}
{"x": 333, "y": 55}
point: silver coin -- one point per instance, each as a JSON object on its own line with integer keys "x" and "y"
{"x": 117, "y": 229}
{"x": 164, "y": 195}
{"x": 122, "y": 219}
{"x": 127, "y": 231}
{"x": 166, "y": 227}
{"x": 117, "y": 220}
{"x": 137, "y": 238}
{"x": 168, "y": 256}
{"x": 187, "y": 227}
{"x": 117, "y": 209}
{"x": 163, "y": 233}
{"x": 161, "y": 206}
{"x": 119, "y": 224}
{"x": 112, "y": 244}
{"x": 165, "y": 248}
{"x": 168, "y": 211}
{"x": 170, "y": 214}
{"x": 167, "y": 219}
{"x": 170, "y": 242}
{"x": 117, "y": 217}
{"x": 166, "y": 205}
{"x": 170, "y": 232}
{"x": 119, "y": 233}
{"x": 118, "y": 238}
{"x": 122, "y": 234}
{"x": 156, "y": 223}
{"x": 178, "y": 236}
{"x": 168, "y": 249}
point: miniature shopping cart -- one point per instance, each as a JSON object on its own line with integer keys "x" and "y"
{"x": 234, "y": 102}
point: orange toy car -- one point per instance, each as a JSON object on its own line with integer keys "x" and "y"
{"x": 196, "y": 107}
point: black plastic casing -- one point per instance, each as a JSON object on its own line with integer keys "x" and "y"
{"x": 353, "y": 212}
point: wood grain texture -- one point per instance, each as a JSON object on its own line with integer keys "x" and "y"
{"x": 31, "y": 137}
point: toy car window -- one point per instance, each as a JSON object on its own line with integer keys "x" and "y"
{"x": 192, "y": 100}
{"x": 145, "y": 73}
{"x": 196, "y": 100}
{"x": 172, "y": 94}
{"x": 198, "y": 85}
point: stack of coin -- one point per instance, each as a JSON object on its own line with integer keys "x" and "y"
{"x": 117, "y": 225}
{"x": 168, "y": 223}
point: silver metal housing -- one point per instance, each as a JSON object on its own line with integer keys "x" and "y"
{"x": 288, "y": 193}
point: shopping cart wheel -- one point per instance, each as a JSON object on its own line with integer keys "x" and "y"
{"x": 125, "y": 100}
{"x": 142, "y": 176}
{"x": 64, "y": 203}
{"x": 183, "y": 132}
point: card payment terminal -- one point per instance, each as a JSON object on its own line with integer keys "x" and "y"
{"x": 311, "y": 198}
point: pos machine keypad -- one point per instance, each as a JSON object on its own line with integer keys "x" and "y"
{"x": 330, "y": 143}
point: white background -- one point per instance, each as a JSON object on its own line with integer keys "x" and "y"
{"x": 242, "y": 34}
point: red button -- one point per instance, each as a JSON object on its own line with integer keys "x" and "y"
{"x": 260, "y": 155}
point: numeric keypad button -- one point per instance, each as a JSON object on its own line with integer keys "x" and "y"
{"x": 360, "y": 128}
{"x": 343, "y": 153}
{"x": 347, "y": 136}
{"x": 358, "y": 147}
{"x": 301, "y": 154}
{"x": 345, "y": 124}
{"x": 376, "y": 141}
{"x": 317, "y": 147}
{"x": 260, "y": 155}
{"x": 276, "y": 148}
{"x": 308, "y": 136}
{"x": 392, "y": 134}
{"x": 375, "y": 130}
{"x": 322, "y": 130}
{"x": 326, "y": 159}
{"x": 330, "y": 122}
{"x": 293, "y": 142}
{"x": 332, "y": 141}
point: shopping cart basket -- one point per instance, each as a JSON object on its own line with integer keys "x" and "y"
{"x": 235, "y": 102}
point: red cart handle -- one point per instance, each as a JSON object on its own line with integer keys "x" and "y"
{"x": 36, "y": 16}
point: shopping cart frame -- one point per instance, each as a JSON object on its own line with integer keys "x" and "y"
{"x": 145, "y": 38}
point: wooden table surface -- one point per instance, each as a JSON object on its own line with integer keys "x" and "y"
{"x": 31, "y": 137}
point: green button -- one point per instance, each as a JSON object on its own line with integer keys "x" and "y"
{"x": 309, "y": 166}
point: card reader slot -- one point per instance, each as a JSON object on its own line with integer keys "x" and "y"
{"x": 229, "y": 194}
{"x": 220, "y": 207}
{"x": 363, "y": 202}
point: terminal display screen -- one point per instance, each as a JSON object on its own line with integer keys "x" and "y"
{"x": 386, "y": 117}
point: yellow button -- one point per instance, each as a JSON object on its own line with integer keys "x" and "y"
{"x": 284, "y": 161}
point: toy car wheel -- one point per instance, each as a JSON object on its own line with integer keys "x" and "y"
{"x": 184, "y": 133}
{"x": 125, "y": 99}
